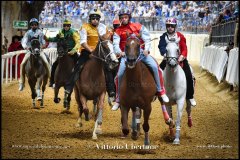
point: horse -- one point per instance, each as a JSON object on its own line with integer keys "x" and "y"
{"x": 63, "y": 71}
{"x": 36, "y": 72}
{"x": 138, "y": 89}
{"x": 176, "y": 87}
{"x": 91, "y": 83}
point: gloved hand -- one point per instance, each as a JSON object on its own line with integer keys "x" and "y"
{"x": 72, "y": 52}
{"x": 120, "y": 54}
{"x": 181, "y": 58}
{"x": 43, "y": 46}
{"x": 145, "y": 52}
{"x": 45, "y": 38}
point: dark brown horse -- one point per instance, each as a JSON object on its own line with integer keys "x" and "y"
{"x": 36, "y": 72}
{"x": 137, "y": 88}
{"x": 63, "y": 71}
{"x": 91, "y": 83}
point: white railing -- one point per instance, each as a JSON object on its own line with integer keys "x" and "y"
{"x": 8, "y": 59}
{"x": 233, "y": 67}
{"x": 216, "y": 61}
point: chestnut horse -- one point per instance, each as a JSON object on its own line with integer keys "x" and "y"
{"x": 63, "y": 71}
{"x": 138, "y": 89}
{"x": 91, "y": 83}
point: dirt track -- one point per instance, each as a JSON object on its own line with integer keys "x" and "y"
{"x": 45, "y": 133}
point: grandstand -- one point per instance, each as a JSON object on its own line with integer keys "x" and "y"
{"x": 193, "y": 16}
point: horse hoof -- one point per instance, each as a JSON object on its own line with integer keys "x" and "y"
{"x": 123, "y": 136}
{"x": 125, "y": 131}
{"x": 146, "y": 142}
{"x": 98, "y": 130}
{"x": 57, "y": 100}
{"x": 78, "y": 125}
{"x": 87, "y": 118}
{"x": 41, "y": 106}
{"x": 65, "y": 104}
{"x": 65, "y": 112}
{"x": 134, "y": 135}
{"x": 176, "y": 143}
{"x": 94, "y": 137}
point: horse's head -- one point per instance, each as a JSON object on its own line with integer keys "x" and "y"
{"x": 172, "y": 51}
{"x": 104, "y": 51}
{"x": 132, "y": 50}
{"x": 35, "y": 45}
{"x": 62, "y": 45}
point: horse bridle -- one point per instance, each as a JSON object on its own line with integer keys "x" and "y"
{"x": 33, "y": 52}
{"x": 64, "y": 53}
{"x": 172, "y": 58}
{"x": 138, "y": 58}
{"x": 99, "y": 50}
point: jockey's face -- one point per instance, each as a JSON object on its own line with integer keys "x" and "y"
{"x": 34, "y": 26}
{"x": 124, "y": 19}
{"x": 66, "y": 27}
{"x": 170, "y": 28}
{"x": 94, "y": 20}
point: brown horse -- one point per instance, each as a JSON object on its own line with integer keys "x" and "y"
{"x": 91, "y": 83}
{"x": 137, "y": 88}
{"x": 63, "y": 71}
{"x": 36, "y": 72}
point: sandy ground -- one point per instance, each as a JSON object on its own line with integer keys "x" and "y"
{"x": 45, "y": 133}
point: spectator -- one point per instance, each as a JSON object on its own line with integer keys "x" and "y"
{"x": 227, "y": 14}
{"x": 15, "y": 45}
{"x": 220, "y": 18}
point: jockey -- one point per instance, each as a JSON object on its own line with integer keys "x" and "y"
{"x": 73, "y": 43}
{"x": 171, "y": 24}
{"x": 119, "y": 41}
{"x": 112, "y": 73}
{"x": 33, "y": 32}
{"x": 88, "y": 41}
{"x": 116, "y": 24}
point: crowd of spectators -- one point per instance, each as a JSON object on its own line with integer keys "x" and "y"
{"x": 191, "y": 15}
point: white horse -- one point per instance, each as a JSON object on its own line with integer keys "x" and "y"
{"x": 176, "y": 87}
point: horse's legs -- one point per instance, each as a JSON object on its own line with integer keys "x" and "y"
{"x": 138, "y": 119}
{"x": 180, "y": 105}
{"x": 80, "y": 107}
{"x": 85, "y": 108}
{"x": 65, "y": 101}
{"x": 124, "y": 120}
{"x": 168, "y": 120}
{"x": 134, "y": 126}
{"x": 189, "y": 109}
{"x": 95, "y": 105}
{"x": 39, "y": 82}
{"x": 146, "y": 114}
{"x": 32, "y": 83}
{"x": 56, "y": 91}
{"x": 43, "y": 89}
{"x": 169, "y": 110}
{"x": 98, "y": 122}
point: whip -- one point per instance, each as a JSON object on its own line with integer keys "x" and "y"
{"x": 149, "y": 41}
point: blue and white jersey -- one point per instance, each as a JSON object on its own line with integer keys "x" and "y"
{"x": 30, "y": 34}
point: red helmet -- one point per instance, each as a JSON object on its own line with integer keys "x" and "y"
{"x": 116, "y": 21}
{"x": 171, "y": 21}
